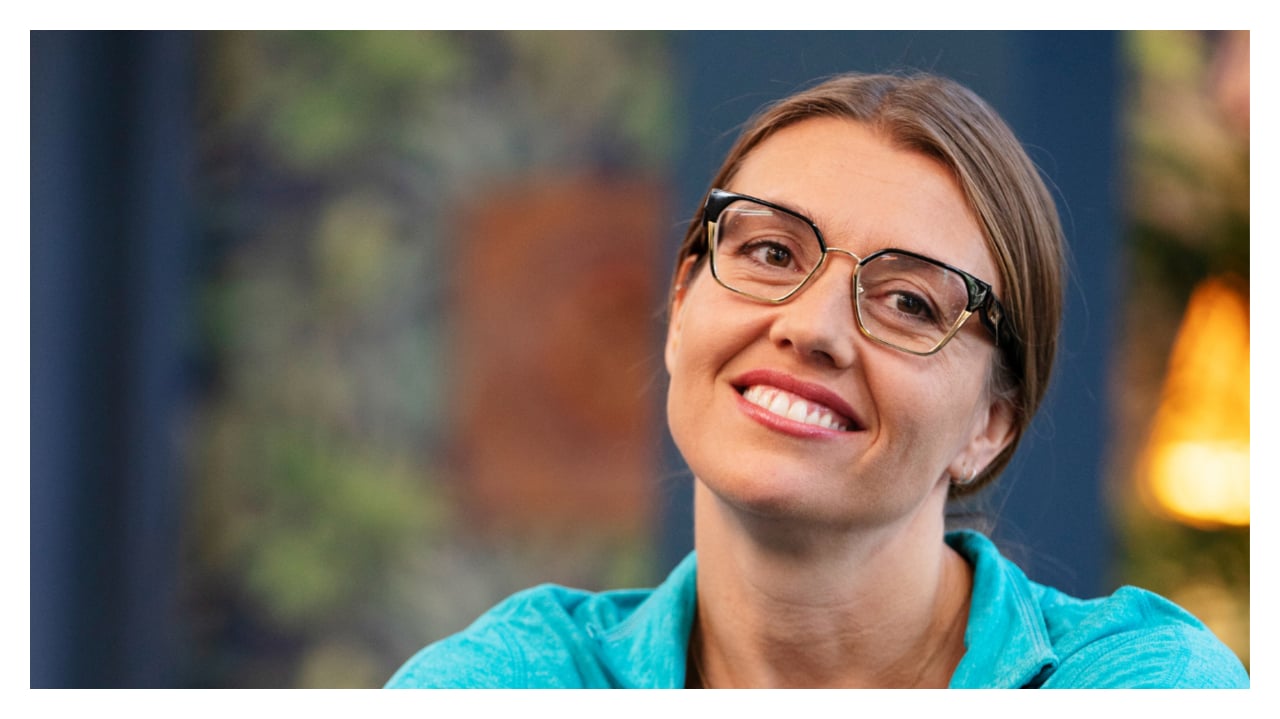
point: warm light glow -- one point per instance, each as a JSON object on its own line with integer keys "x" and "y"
{"x": 1203, "y": 480}
{"x": 1196, "y": 465}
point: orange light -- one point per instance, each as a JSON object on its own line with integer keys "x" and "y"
{"x": 1196, "y": 464}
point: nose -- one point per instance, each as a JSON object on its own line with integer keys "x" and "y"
{"x": 818, "y": 323}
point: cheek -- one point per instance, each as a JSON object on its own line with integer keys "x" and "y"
{"x": 708, "y": 334}
{"x": 702, "y": 335}
{"x": 687, "y": 352}
{"x": 692, "y": 365}
{"x": 930, "y": 402}
{"x": 689, "y": 392}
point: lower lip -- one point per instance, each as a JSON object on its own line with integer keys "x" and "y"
{"x": 778, "y": 423}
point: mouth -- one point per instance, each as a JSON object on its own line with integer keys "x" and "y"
{"x": 795, "y": 407}
{"x": 797, "y": 401}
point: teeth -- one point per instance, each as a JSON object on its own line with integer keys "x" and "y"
{"x": 792, "y": 407}
{"x": 798, "y": 412}
{"x": 780, "y": 404}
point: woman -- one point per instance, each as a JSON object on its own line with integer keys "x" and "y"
{"x": 863, "y": 322}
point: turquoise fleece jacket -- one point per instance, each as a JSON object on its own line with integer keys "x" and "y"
{"x": 1020, "y": 634}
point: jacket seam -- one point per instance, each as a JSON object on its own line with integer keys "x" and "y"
{"x": 516, "y": 654}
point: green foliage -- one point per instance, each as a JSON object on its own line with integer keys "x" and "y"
{"x": 324, "y": 544}
{"x": 1189, "y": 169}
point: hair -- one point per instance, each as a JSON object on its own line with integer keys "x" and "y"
{"x": 943, "y": 120}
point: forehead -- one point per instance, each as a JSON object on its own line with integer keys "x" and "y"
{"x": 865, "y": 194}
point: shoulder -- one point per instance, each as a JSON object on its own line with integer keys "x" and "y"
{"x": 1134, "y": 638}
{"x": 534, "y": 638}
{"x": 1022, "y": 633}
{"x": 555, "y": 637}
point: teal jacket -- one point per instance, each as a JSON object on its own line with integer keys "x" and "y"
{"x": 1020, "y": 634}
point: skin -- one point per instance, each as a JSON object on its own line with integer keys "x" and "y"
{"x": 821, "y": 552}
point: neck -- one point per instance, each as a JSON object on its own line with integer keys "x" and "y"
{"x": 780, "y": 605}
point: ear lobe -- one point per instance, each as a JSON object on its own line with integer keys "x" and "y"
{"x": 992, "y": 433}
{"x": 675, "y": 324}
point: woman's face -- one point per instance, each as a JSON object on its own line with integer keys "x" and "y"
{"x": 904, "y": 424}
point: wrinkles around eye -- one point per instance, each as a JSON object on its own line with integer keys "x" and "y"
{"x": 901, "y": 306}
{"x": 770, "y": 254}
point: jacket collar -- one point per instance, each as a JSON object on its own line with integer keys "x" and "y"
{"x": 1006, "y": 642}
{"x": 648, "y": 649}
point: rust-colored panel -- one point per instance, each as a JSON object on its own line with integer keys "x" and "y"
{"x": 558, "y": 371}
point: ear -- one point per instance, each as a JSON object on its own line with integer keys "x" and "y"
{"x": 675, "y": 324}
{"x": 992, "y": 432}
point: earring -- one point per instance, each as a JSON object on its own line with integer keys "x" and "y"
{"x": 968, "y": 478}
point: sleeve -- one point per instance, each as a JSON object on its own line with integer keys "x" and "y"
{"x": 1164, "y": 658}
{"x": 1157, "y": 645}
{"x": 481, "y": 657}
{"x": 529, "y": 640}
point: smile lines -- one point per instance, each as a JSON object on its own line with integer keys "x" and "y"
{"x": 794, "y": 407}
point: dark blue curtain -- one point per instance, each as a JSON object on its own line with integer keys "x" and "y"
{"x": 111, "y": 154}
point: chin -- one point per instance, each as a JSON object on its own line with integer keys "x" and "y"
{"x": 775, "y": 498}
{"x": 808, "y": 503}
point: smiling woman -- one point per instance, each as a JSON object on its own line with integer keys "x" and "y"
{"x": 831, "y": 389}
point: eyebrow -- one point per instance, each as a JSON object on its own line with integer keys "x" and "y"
{"x": 793, "y": 207}
{"x": 828, "y": 230}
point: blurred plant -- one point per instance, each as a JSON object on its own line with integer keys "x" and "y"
{"x": 322, "y": 541}
{"x": 1188, "y": 165}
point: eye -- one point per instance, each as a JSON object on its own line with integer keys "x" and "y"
{"x": 899, "y": 304}
{"x": 913, "y": 305}
{"x": 762, "y": 245}
{"x": 772, "y": 254}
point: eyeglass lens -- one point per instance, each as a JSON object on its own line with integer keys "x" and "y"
{"x": 901, "y": 300}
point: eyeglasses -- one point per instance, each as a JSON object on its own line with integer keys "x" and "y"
{"x": 902, "y": 299}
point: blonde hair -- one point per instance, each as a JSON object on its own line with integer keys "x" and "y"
{"x": 943, "y": 120}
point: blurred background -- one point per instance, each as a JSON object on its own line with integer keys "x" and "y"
{"x": 339, "y": 338}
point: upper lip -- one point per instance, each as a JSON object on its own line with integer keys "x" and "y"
{"x": 808, "y": 390}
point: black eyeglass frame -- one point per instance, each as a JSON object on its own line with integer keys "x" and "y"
{"x": 981, "y": 298}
